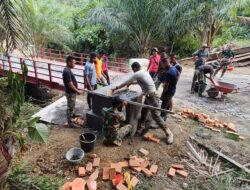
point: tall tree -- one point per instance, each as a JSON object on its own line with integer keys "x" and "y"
{"x": 143, "y": 23}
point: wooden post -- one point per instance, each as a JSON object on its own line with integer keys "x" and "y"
{"x": 10, "y": 66}
{"x": 50, "y": 73}
{"x": 60, "y": 54}
{"x": 81, "y": 58}
{"x": 35, "y": 70}
{"x": 50, "y": 52}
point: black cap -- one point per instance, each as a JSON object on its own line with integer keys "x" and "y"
{"x": 116, "y": 101}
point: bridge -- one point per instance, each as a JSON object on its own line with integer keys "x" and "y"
{"x": 45, "y": 69}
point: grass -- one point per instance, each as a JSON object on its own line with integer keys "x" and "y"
{"x": 19, "y": 179}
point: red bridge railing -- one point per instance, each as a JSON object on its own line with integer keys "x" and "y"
{"x": 39, "y": 72}
{"x": 116, "y": 64}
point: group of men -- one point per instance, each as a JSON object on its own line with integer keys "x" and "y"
{"x": 162, "y": 69}
{"x": 95, "y": 72}
{"x": 225, "y": 58}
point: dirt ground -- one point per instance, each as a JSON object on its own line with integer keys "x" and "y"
{"x": 50, "y": 159}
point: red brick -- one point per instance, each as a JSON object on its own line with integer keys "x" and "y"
{"x": 81, "y": 171}
{"x": 123, "y": 164}
{"x": 89, "y": 167}
{"x": 117, "y": 166}
{"x": 94, "y": 175}
{"x": 112, "y": 173}
{"x": 92, "y": 156}
{"x": 144, "y": 164}
{"x": 182, "y": 173}
{"x": 148, "y": 135}
{"x": 120, "y": 186}
{"x": 134, "y": 163}
{"x": 153, "y": 169}
{"x": 134, "y": 181}
{"x": 92, "y": 185}
{"x": 155, "y": 140}
{"x": 144, "y": 151}
{"x": 231, "y": 127}
{"x": 137, "y": 169}
{"x": 66, "y": 186}
{"x": 177, "y": 166}
{"x": 202, "y": 120}
{"x": 225, "y": 124}
{"x": 146, "y": 172}
{"x": 171, "y": 172}
{"x": 105, "y": 173}
{"x": 96, "y": 162}
{"x": 78, "y": 184}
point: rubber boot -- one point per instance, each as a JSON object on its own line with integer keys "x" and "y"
{"x": 192, "y": 87}
{"x": 202, "y": 88}
{"x": 170, "y": 136}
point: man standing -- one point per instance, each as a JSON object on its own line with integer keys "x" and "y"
{"x": 225, "y": 58}
{"x": 98, "y": 67}
{"x": 154, "y": 62}
{"x": 90, "y": 76}
{"x": 148, "y": 88}
{"x": 173, "y": 62}
{"x": 201, "y": 77}
{"x": 105, "y": 68}
{"x": 160, "y": 72}
{"x": 200, "y": 57}
{"x": 71, "y": 90}
{"x": 114, "y": 127}
{"x": 169, "y": 88}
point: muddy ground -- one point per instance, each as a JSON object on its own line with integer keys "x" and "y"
{"x": 50, "y": 160}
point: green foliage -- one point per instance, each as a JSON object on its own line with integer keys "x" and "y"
{"x": 12, "y": 123}
{"x": 19, "y": 179}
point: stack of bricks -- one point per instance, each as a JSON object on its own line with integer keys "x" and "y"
{"x": 87, "y": 176}
{"x": 177, "y": 169}
{"x": 212, "y": 124}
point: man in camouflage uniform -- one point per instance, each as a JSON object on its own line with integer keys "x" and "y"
{"x": 225, "y": 58}
{"x": 114, "y": 127}
{"x": 200, "y": 58}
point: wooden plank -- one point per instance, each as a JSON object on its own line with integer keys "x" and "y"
{"x": 225, "y": 157}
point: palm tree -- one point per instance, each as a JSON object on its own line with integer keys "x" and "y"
{"x": 215, "y": 13}
{"x": 145, "y": 23}
{"x": 12, "y": 28}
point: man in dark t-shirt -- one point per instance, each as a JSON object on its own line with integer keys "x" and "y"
{"x": 170, "y": 80}
{"x": 70, "y": 86}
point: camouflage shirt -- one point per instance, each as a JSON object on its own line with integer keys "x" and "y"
{"x": 227, "y": 54}
{"x": 112, "y": 123}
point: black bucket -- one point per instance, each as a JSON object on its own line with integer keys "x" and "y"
{"x": 87, "y": 141}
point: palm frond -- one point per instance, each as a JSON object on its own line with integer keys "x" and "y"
{"x": 10, "y": 20}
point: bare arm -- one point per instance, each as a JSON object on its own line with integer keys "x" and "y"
{"x": 165, "y": 88}
{"x": 88, "y": 84}
{"x": 72, "y": 87}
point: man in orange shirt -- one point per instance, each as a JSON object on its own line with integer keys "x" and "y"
{"x": 98, "y": 67}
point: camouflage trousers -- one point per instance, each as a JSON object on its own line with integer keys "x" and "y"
{"x": 115, "y": 135}
{"x": 153, "y": 100}
{"x": 71, "y": 102}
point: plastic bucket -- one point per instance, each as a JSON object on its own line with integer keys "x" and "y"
{"x": 74, "y": 155}
{"x": 87, "y": 141}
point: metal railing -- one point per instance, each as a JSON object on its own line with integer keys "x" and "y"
{"x": 116, "y": 64}
{"x": 40, "y": 72}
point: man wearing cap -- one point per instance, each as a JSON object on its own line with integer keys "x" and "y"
{"x": 225, "y": 58}
{"x": 114, "y": 127}
{"x": 90, "y": 79}
{"x": 148, "y": 88}
{"x": 154, "y": 60}
{"x": 199, "y": 57}
{"x": 202, "y": 72}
